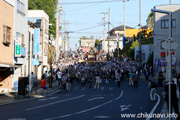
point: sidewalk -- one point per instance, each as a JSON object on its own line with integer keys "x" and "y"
{"x": 8, "y": 98}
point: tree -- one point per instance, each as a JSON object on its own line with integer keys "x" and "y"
{"x": 49, "y": 6}
{"x": 131, "y": 50}
{"x": 150, "y": 20}
{"x": 97, "y": 42}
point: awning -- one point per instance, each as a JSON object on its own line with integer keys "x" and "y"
{"x": 10, "y": 66}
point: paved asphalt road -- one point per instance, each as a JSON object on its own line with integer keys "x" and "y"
{"x": 106, "y": 103}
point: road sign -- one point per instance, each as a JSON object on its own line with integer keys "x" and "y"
{"x": 35, "y": 61}
{"x": 36, "y": 41}
{"x": 165, "y": 44}
{"x": 18, "y": 47}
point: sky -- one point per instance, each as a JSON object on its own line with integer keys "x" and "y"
{"x": 81, "y": 16}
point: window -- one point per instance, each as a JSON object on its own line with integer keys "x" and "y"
{"x": 165, "y": 23}
{"x": 22, "y": 38}
{"x": 22, "y": 43}
{"x": 173, "y": 23}
{"x": 162, "y": 24}
{"x": 20, "y": 8}
{"x": 6, "y": 35}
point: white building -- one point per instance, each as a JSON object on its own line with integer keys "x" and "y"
{"x": 146, "y": 52}
{"x": 113, "y": 44}
{"x": 41, "y": 19}
{"x": 161, "y": 32}
{"x": 20, "y": 30}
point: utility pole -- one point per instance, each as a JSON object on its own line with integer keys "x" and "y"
{"x": 57, "y": 31}
{"x": 68, "y": 42}
{"x": 170, "y": 2}
{"x": 65, "y": 43}
{"x": 140, "y": 47}
{"x": 108, "y": 29}
{"x": 124, "y": 17}
{"x": 104, "y": 34}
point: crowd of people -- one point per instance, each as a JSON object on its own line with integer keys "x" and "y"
{"x": 94, "y": 74}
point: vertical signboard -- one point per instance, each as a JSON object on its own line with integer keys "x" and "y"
{"x": 18, "y": 47}
{"x": 36, "y": 41}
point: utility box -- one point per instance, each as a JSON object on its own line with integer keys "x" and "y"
{"x": 22, "y": 84}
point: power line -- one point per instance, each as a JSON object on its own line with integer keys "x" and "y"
{"x": 87, "y": 28}
{"x": 105, "y": 1}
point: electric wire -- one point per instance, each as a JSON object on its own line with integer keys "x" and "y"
{"x": 105, "y": 1}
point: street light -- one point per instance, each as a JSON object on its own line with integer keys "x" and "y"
{"x": 50, "y": 81}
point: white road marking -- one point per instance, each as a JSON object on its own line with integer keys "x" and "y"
{"x": 101, "y": 117}
{"x": 87, "y": 110}
{"x": 96, "y": 98}
{"x": 42, "y": 99}
{"x": 53, "y": 92}
{"x": 53, "y": 98}
{"x": 154, "y": 108}
{"x": 55, "y": 103}
{"x": 124, "y": 107}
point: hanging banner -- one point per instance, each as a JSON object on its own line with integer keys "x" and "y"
{"x": 36, "y": 41}
{"x": 18, "y": 47}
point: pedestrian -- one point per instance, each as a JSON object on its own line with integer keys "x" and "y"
{"x": 64, "y": 81}
{"x": 32, "y": 80}
{"x": 59, "y": 74}
{"x": 43, "y": 85}
{"x": 90, "y": 79}
{"x": 68, "y": 83}
{"x": 136, "y": 78}
{"x": 160, "y": 79}
{"x": 46, "y": 76}
{"x": 119, "y": 77}
{"x": 131, "y": 75}
{"x": 83, "y": 80}
{"x": 147, "y": 75}
{"x": 97, "y": 83}
{"x": 152, "y": 86}
{"x": 174, "y": 99}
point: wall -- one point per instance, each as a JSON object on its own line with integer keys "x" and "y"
{"x": 20, "y": 29}
{"x": 6, "y": 18}
{"x": 6, "y": 52}
{"x": 162, "y": 33}
{"x": 146, "y": 52}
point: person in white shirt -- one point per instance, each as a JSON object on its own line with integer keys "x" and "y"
{"x": 32, "y": 80}
{"x": 59, "y": 74}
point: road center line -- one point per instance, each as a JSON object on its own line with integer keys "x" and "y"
{"x": 54, "y": 103}
{"x": 154, "y": 108}
{"x": 87, "y": 110}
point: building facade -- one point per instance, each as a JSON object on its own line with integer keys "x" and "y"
{"x": 41, "y": 19}
{"x": 6, "y": 43}
{"x": 20, "y": 35}
{"x": 161, "y": 33}
{"x": 147, "y": 51}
